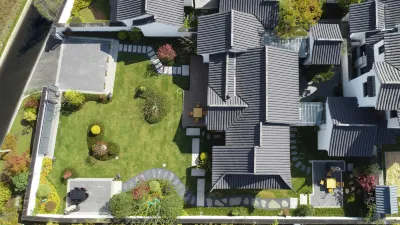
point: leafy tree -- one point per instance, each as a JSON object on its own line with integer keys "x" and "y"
{"x": 10, "y": 142}
{"x": 345, "y": 4}
{"x": 16, "y": 164}
{"x": 324, "y": 76}
{"x": 297, "y": 16}
{"x": 304, "y": 210}
{"x": 367, "y": 182}
{"x": 20, "y": 182}
{"x": 121, "y": 205}
{"x": 5, "y": 194}
{"x": 373, "y": 169}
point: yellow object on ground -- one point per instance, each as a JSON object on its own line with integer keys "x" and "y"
{"x": 331, "y": 183}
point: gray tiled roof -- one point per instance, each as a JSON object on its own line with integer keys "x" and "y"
{"x": 282, "y": 105}
{"x": 326, "y": 53}
{"x": 250, "y": 181}
{"x": 386, "y": 199}
{"x": 362, "y": 17}
{"x": 370, "y": 40}
{"x": 214, "y": 100}
{"x": 228, "y": 31}
{"x": 392, "y": 13}
{"x": 265, "y": 11}
{"x": 272, "y": 157}
{"x": 389, "y": 93}
{"x": 169, "y": 12}
{"x": 387, "y": 73}
{"x": 323, "y": 32}
{"x": 392, "y": 48}
{"x": 222, "y": 118}
{"x": 355, "y": 129}
{"x": 380, "y": 15}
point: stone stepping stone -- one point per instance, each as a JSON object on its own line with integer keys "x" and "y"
{"x": 174, "y": 69}
{"x": 292, "y": 141}
{"x": 149, "y": 49}
{"x": 139, "y": 49}
{"x": 263, "y": 203}
{"x": 218, "y": 203}
{"x": 120, "y": 47}
{"x": 129, "y": 48}
{"x": 193, "y": 201}
{"x": 125, "y": 48}
{"x": 293, "y": 153}
{"x": 179, "y": 71}
{"x": 308, "y": 170}
{"x": 150, "y": 54}
{"x": 294, "y": 159}
{"x": 234, "y": 201}
{"x": 209, "y": 202}
{"x": 292, "y": 135}
{"x": 159, "y": 66}
{"x": 134, "y": 48}
{"x": 293, "y": 147}
{"x": 185, "y": 70}
{"x": 160, "y": 70}
{"x": 303, "y": 168}
{"x": 298, "y": 164}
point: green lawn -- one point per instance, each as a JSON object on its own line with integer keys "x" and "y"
{"x": 98, "y": 11}
{"x": 143, "y": 146}
{"x": 21, "y": 132}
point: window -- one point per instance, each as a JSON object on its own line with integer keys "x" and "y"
{"x": 381, "y": 49}
{"x": 393, "y": 114}
{"x": 365, "y": 89}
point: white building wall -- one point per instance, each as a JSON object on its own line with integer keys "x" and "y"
{"x": 325, "y": 132}
{"x": 310, "y": 49}
{"x": 162, "y": 30}
{"x": 378, "y": 57}
{"x": 66, "y": 13}
{"x": 355, "y": 89}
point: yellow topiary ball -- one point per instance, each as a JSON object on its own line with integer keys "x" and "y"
{"x": 95, "y": 129}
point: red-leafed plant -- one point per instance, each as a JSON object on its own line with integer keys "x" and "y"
{"x": 67, "y": 174}
{"x": 16, "y": 164}
{"x": 140, "y": 191}
{"x": 166, "y": 54}
{"x": 367, "y": 182}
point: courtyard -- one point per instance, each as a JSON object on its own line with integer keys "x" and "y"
{"x": 142, "y": 145}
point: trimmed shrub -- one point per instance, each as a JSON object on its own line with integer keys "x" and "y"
{"x": 43, "y": 191}
{"x": 154, "y": 186}
{"x": 113, "y": 150}
{"x": 73, "y": 100}
{"x": 166, "y": 54}
{"x": 69, "y": 173}
{"x": 135, "y": 35}
{"x": 122, "y": 35}
{"x": 20, "y": 182}
{"x": 93, "y": 139}
{"x": 5, "y": 194}
{"x": 99, "y": 150}
{"x": 30, "y": 115}
{"x": 304, "y": 210}
{"x": 140, "y": 191}
{"x": 90, "y": 160}
{"x": 95, "y": 129}
{"x": 50, "y": 206}
{"x": 121, "y": 205}
{"x": 238, "y": 211}
{"x": 155, "y": 107}
{"x": 10, "y": 142}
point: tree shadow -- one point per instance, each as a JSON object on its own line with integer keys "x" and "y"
{"x": 129, "y": 58}
{"x": 181, "y": 81}
{"x": 100, "y": 10}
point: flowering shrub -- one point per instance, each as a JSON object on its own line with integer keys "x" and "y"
{"x": 166, "y": 54}
{"x": 95, "y": 129}
{"x": 140, "y": 191}
{"x": 52, "y": 195}
{"x": 47, "y": 166}
{"x": 69, "y": 173}
{"x": 367, "y": 182}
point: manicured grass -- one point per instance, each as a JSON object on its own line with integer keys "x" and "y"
{"x": 142, "y": 146}
{"x": 98, "y": 11}
{"x": 22, "y": 132}
{"x": 9, "y": 15}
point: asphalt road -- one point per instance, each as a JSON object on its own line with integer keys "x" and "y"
{"x": 18, "y": 64}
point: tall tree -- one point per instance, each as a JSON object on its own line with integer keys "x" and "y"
{"x": 297, "y": 16}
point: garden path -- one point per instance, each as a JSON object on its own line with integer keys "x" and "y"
{"x": 161, "y": 69}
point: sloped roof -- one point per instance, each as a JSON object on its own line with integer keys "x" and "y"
{"x": 169, "y": 12}
{"x": 355, "y": 129}
{"x": 267, "y": 12}
{"x": 386, "y": 199}
{"x": 370, "y": 40}
{"x": 373, "y": 15}
{"x": 392, "y": 48}
{"x": 362, "y": 17}
{"x": 228, "y": 31}
{"x": 327, "y": 44}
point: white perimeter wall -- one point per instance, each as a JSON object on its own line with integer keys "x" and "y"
{"x": 66, "y": 13}
{"x": 325, "y": 132}
{"x": 161, "y": 30}
{"x": 355, "y": 89}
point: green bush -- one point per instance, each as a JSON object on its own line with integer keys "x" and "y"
{"x": 171, "y": 207}
{"x": 95, "y": 130}
{"x": 30, "y": 115}
{"x": 155, "y": 106}
{"x": 226, "y": 211}
{"x": 43, "y": 191}
{"x": 337, "y": 212}
{"x": 73, "y": 100}
{"x": 121, "y": 205}
{"x": 78, "y": 5}
{"x": 93, "y": 139}
{"x": 90, "y": 160}
{"x": 135, "y": 35}
{"x": 5, "y": 194}
{"x": 123, "y": 35}
{"x": 155, "y": 186}
{"x": 113, "y": 150}
{"x": 20, "y": 182}
{"x": 239, "y": 211}
{"x": 50, "y": 206}
{"x": 304, "y": 210}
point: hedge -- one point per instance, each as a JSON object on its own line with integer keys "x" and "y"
{"x": 329, "y": 212}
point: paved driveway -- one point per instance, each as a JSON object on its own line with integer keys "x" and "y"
{"x": 83, "y": 64}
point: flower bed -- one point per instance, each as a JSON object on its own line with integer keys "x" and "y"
{"x": 392, "y": 163}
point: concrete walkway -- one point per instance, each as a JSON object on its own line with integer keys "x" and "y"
{"x": 259, "y": 203}
{"x": 157, "y": 173}
{"x": 161, "y": 69}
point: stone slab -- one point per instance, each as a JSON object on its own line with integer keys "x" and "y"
{"x": 293, "y": 153}
{"x": 134, "y": 48}
{"x": 185, "y": 70}
{"x": 120, "y": 47}
{"x": 298, "y": 164}
{"x": 129, "y": 48}
{"x": 179, "y": 71}
{"x": 293, "y": 203}
{"x": 144, "y": 49}
{"x": 192, "y": 131}
{"x": 303, "y": 199}
{"x": 293, "y": 147}
{"x": 139, "y": 49}
{"x": 125, "y": 48}
{"x": 198, "y": 172}
{"x": 200, "y": 193}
